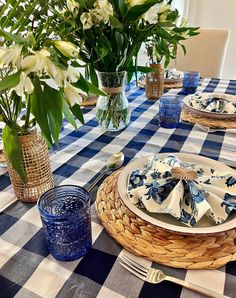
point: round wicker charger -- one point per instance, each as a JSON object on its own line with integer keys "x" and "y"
{"x": 190, "y": 116}
{"x": 176, "y": 85}
{"x": 89, "y": 101}
{"x": 162, "y": 246}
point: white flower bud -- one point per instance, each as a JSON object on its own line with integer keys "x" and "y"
{"x": 11, "y": 55}
{"x": 25, "y": 85}
{"x": 68, "y": 49}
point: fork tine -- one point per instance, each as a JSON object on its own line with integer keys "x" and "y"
{"x": 136, "y": 263}
{"x": 133, "y": 266}
{"x": 132, "y": 271}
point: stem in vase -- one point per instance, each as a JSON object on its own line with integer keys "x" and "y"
{"x": 27, "y": 116}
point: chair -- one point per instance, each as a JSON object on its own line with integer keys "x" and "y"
{"x": 205, "y": 53}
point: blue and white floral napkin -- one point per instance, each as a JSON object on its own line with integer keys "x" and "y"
{"x": 173, "y": 74}
{"x": 214, "y": 103}
{"x": 186, "y": 191}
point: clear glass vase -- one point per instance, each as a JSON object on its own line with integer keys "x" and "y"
{"x": 112, "y": 110}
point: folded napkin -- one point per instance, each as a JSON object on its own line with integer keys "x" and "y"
{"x": 214, "y": 103}
{"x": 186, "y": 191}
{"x": 173, "y": 74}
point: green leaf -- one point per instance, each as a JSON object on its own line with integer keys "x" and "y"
{"x": 54, "y": 104}
{"x": 119, "y": 39}
{"x": 143, "y": 69}
{"x": 68, "y": 115}
{"x": 115, "y": 23}
{"x": 93, "y": 75}
{"x": 77, "y": 112}
{"x": 82, "y": 84}
{"x": 12, "y": 37}
{"x": 93, "y": 89}
{"x": 123, "y": 7}
{"x": 10, "y": 81}
{"x": 39, "y": 109}
{"x": 87, "y": 86}
{"x": 13, "y": 149}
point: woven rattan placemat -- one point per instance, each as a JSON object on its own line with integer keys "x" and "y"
{"x": 173, "y": 85}
{"x": 192, "y": 117}
{"x": 91, "y": 101}
{"x": 156, "y": 244}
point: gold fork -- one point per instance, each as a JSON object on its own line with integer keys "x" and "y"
{"x": 155, "y": 276}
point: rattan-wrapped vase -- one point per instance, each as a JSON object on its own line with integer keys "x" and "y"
{"x": 37, "y": 166}
{"x": 155, "y": 82}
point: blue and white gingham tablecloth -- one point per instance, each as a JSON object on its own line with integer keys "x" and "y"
{"x": 27, "y": 270}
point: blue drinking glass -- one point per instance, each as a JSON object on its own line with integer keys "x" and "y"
{"x": 66, "y": 219}
{"x": 190, "y": 82}
{"x": 170, "y": 110}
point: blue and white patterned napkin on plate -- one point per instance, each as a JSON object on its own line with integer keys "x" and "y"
{"x": 186, "y": 191}
{"x": 215, "y": 103}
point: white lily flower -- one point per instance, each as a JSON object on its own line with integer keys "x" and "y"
{"x": 50, "y": 68}
{"x": 11, "y": 55}
{"x": 86, "y": 20}
{"x": 29, "y": 63}
{"x": 163, "y": 7}
{"x": 2, "y": 52}
{"x": 39, "y": 63}
{"x": 72, "y": 75}
{"x": 25, "y": 85}
{"x": 103, "y": 10}
{"x": 68, "y": 49}
{"x": 151, "y": 15}
{"x": 60, "y": 77}
{"x": 72, "y": 94}
{"x": 72, "y": 6}
{"x": 163, "y": 17}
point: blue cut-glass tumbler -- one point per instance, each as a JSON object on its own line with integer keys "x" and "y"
{"x": 66, "y": 219}
{"x": 190, "y": 82}
{"x": 169, "y": 111}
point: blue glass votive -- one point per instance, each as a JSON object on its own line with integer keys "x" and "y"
{"x": 66, "y": 219}
{"x": 170, "y": 110}
{"x": 190, "y": 82}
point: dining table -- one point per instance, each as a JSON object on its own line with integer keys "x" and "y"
{"x": 26, "y": 267}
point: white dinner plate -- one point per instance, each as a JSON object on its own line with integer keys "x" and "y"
{"x": 166, "y": 221}
{"x": 188, "y": 99}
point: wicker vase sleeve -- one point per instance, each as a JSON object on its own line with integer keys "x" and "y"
{"x": 37, "y": 165}
{"x": 155, "y": 82}
{"x": 162, "y": 246}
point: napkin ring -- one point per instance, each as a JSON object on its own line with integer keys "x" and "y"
{"x": 183, "y": 173}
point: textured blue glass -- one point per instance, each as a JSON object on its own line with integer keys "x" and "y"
{"x": 65, "y": 214}
{"x": 169, "y": 112}
{"x": 190, "y": 82}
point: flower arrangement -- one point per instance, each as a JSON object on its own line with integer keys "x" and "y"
{"x": 110, "y": 34}
{"x": 163, "y": 44}
{"x": 38, "y": 85}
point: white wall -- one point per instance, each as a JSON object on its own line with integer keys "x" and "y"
{"x": 217, "y": 14}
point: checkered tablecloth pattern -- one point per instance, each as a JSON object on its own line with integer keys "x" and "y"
{"x": 27, "y": 269}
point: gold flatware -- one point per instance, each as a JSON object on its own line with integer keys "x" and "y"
{"x": 155, "y": 276}
{"x": 114, "y": 162}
